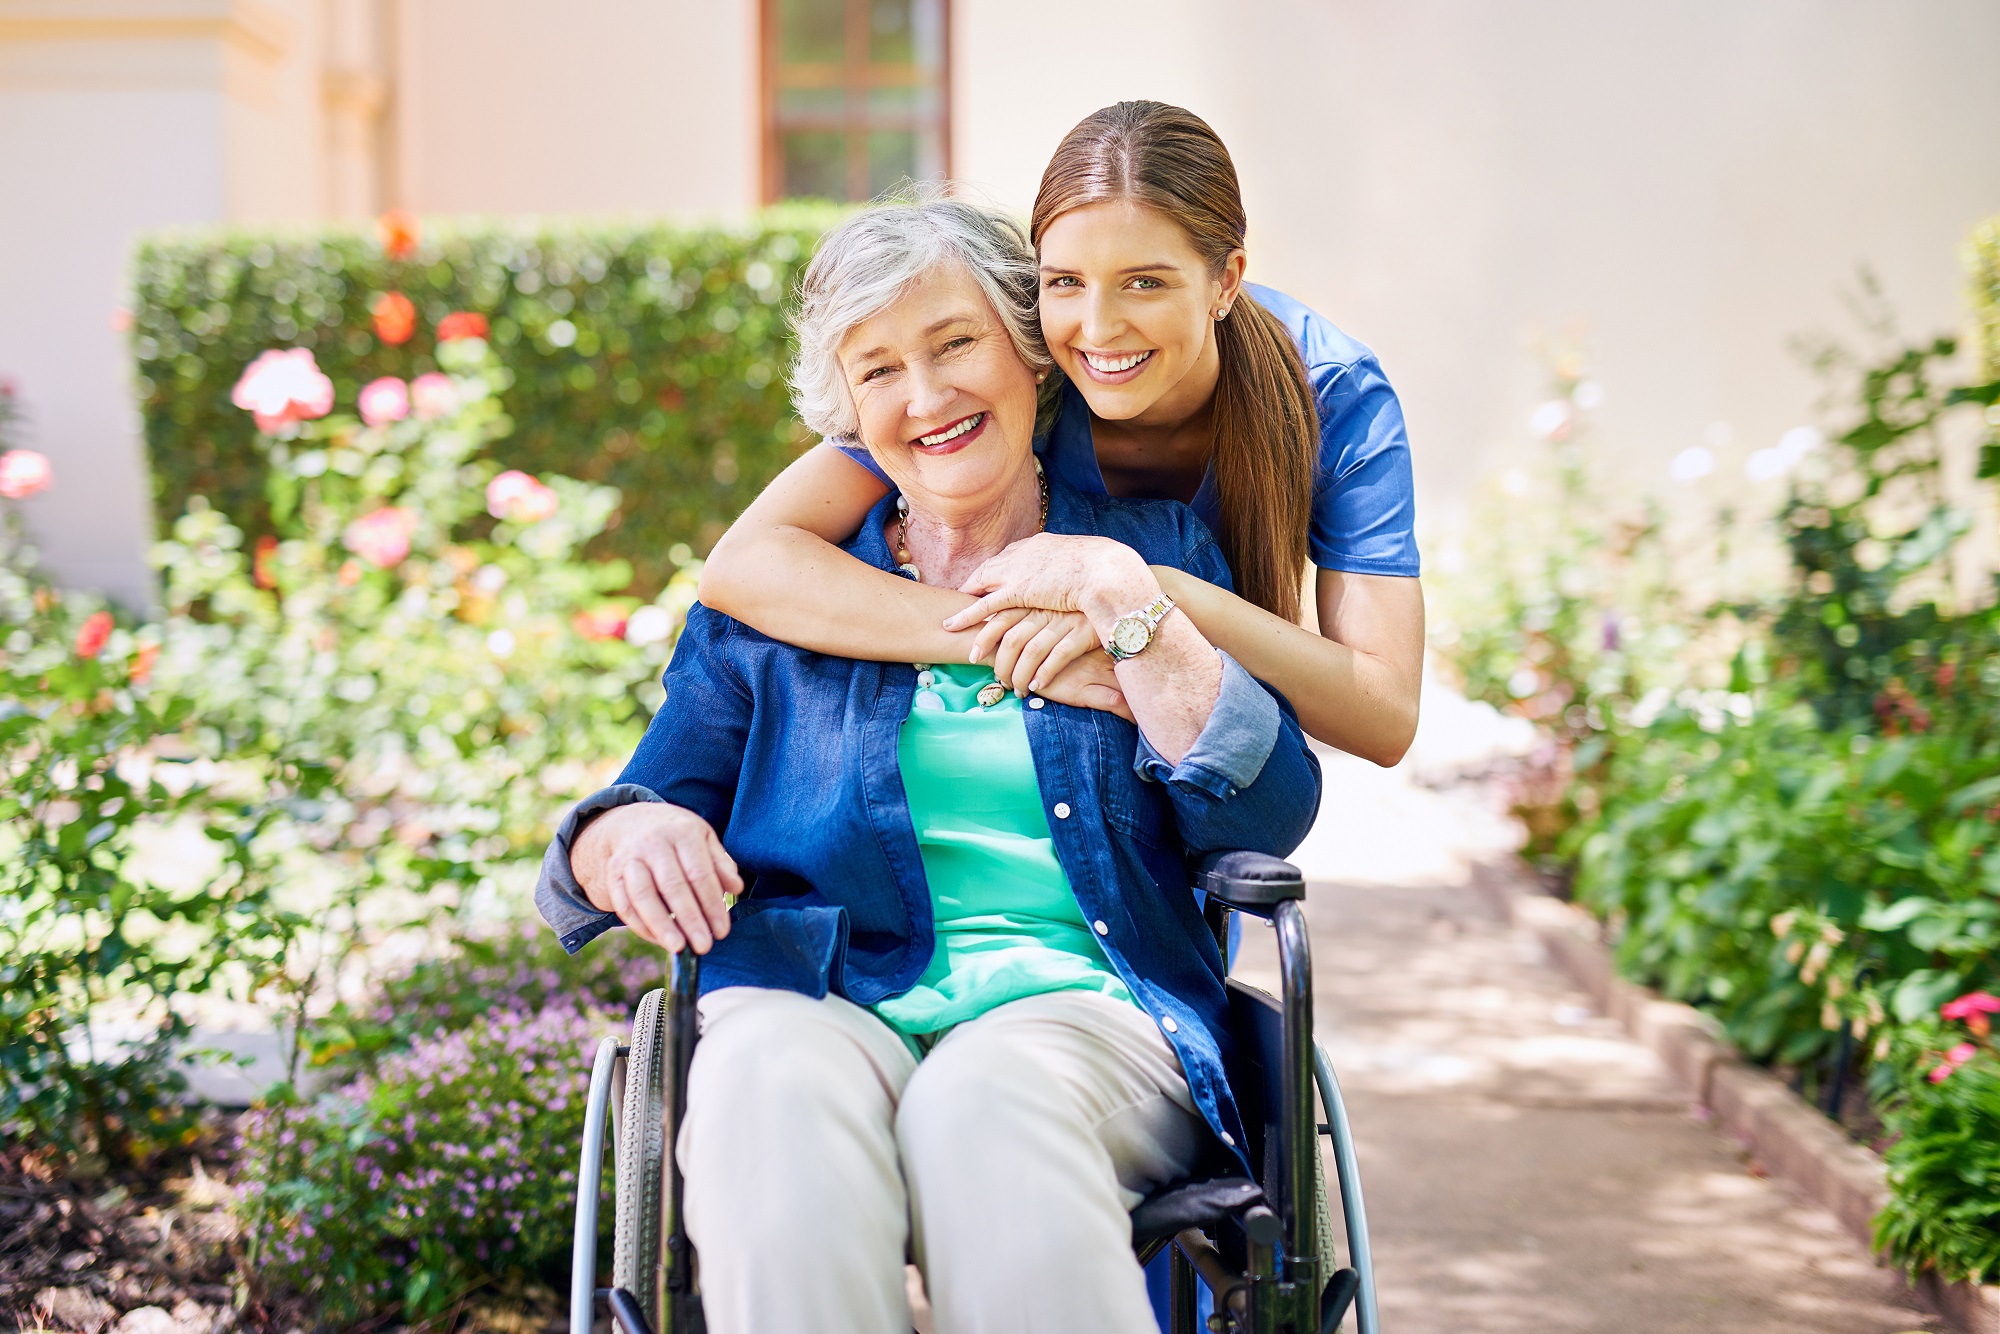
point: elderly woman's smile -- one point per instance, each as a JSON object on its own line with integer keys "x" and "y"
{"x": 944, "y": 402}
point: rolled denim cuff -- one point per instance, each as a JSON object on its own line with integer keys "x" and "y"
{"x": 563, "y": 904}
{"x": 1234, "y": 742}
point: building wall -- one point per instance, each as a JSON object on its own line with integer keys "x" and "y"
{"x": 117, "y": 116}
{"x": 587, "y": 106}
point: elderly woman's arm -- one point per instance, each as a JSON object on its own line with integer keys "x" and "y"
{"x": 645, "y": 852}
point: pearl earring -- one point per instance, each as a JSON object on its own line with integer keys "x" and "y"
{"x": 1220, "y": 312}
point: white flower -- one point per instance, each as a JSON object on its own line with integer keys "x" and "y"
{"x": 1551, "y": 421}
{"x": 1691, "y": 465}
{"x": 1798, "y": 442}
{"x": 501, "y": 644}
{"x": 1766, "y": 464}
{"x": 649, "y": 625}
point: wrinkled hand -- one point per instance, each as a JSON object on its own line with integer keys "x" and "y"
{"x": 665, "y": 874}
{"x": 1050, "y": 571}
{"x": 1089, "y": 683}
{"x": 1030, "y": 647}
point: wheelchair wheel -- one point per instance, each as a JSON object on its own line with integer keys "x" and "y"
{"x": 642, "y": 1160}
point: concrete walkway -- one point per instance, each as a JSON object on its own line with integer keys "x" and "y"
{"x": 1527, "y": 1167}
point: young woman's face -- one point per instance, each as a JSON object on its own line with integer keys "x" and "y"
{"x": 946, "y": 405}
{"x": 1128, "y": 309}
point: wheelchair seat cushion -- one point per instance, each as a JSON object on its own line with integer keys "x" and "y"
{"x": 1191, "y": 1204}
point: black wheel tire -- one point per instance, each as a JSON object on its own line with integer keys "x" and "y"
{"x": 642, "y": 1160}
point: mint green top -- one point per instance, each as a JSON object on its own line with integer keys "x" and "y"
{"x": 1007, "y": 924}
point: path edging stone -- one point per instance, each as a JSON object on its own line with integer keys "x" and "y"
{"x": 1782, "y": 1132}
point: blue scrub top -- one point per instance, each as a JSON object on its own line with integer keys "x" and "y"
{"x": 1364, "y": 498}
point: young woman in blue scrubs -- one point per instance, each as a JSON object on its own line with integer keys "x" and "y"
{"x": 1184, "y": 382}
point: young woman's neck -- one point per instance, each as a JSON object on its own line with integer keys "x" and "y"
{"x": 948, "y": 542}
{"x": 1177, "y": 433}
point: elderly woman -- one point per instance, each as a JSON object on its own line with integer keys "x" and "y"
{"x": 964, "y": 1005}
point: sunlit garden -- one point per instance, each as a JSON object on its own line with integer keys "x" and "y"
{"x": 429, "y": 504}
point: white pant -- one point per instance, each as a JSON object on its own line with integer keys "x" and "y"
{"x": 815, "y": 1144}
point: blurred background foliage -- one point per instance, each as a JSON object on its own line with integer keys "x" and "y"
{"x": 1771, "y": 757}
{"x": 648, "y": 356}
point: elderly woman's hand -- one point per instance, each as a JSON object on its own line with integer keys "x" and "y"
{"x": 662, "y": 870}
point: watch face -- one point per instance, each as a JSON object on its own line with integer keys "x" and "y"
{"x": 1130, "y": 635}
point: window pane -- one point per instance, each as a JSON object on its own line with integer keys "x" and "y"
{"x": 796, "y": 104}
{"x": 815, "y": 164}
{"x": 892, "y": 156}
{"x": 890, "y": 39}
{"x": 812, "y": 31}
{"x": 902, "y": 104}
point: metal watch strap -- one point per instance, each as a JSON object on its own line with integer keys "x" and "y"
{"x": 1150, "y": 616}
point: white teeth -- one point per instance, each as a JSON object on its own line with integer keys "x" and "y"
{"x": 954, "y": 433}
{"x": 1112, "y": 365}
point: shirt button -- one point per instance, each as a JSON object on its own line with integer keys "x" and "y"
{"x": 1062, "y": 810}
{"x": 1229, "y": 1139}
{"x": 1036, "y": 702}
{"x": 1169, "y": 1024}
{"x": 1099, "y": 927}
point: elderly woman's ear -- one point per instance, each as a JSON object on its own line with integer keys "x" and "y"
{"x": 662, "y": 870}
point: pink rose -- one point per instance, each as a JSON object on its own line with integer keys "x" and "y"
{"x": 283, "y": 386}
{"x": 381, "y": 538}
{"x": 1971, "y": 1003}
{"x": 1940, "y": 1073}
{"x": 434, "y": 396}
{"x": 91, "y": 636}
{"x": 385, "y": 400}
{"x": 24, "y": 473}
{"x": 1962, "y": 1053}
{"x": 519, "y": 498}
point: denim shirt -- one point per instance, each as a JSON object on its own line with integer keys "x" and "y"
{"x": 792, "y": 757}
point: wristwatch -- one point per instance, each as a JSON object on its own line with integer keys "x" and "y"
{"x": 1133, "y": 632}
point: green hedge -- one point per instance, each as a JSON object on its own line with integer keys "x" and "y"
{"x": 648, "y": 355}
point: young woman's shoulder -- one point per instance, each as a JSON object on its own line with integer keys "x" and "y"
{"x": 1364, "y": 504}
{"x": 1328, "y": 350}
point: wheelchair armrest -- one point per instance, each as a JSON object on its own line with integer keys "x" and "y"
{"x": 1250, "y": 881}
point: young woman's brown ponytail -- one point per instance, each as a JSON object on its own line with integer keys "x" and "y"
{"x": 1266, "y": 420}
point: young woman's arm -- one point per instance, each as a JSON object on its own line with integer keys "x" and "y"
{"x": 777, "y": 570}
{"x": 1356, "y": 683}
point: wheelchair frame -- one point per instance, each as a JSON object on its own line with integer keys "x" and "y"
{"x": 1256, "y": 1245}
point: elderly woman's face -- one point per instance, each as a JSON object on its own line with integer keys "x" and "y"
{"x": 946, "y": 406}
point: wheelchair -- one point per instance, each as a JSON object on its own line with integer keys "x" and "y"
{"x": 1261, "y": 1247}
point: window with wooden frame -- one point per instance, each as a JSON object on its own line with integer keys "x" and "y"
{"x": 856, "y": 96}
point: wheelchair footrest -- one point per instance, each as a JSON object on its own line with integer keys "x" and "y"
{"x": 1192, "y": 1204}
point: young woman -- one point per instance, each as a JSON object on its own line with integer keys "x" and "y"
{"x": 1184, "y": 382}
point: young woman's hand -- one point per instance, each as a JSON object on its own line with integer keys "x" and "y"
{"x": 662, "y": 870}
{"x": 1089, "y": 682}
{"x": 1030, "y": 647}
{"x": 1054, "y": 572}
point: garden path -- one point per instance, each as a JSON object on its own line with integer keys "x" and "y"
{"x": 1527, "y": 1167}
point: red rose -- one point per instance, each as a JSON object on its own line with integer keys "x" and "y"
{"x": 96, "y": 630}
{"x": 261, "y": 572}
{"x": 398, "y": 232}
{"x": 395, "y": 318}
{"x": 461, "y": 324}
{"x": 606, "y": 622}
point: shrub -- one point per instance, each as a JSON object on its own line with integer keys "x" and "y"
{"x": 645, "y": 356}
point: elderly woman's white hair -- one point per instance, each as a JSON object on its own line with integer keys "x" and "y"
{"x": 865, "y": 263}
